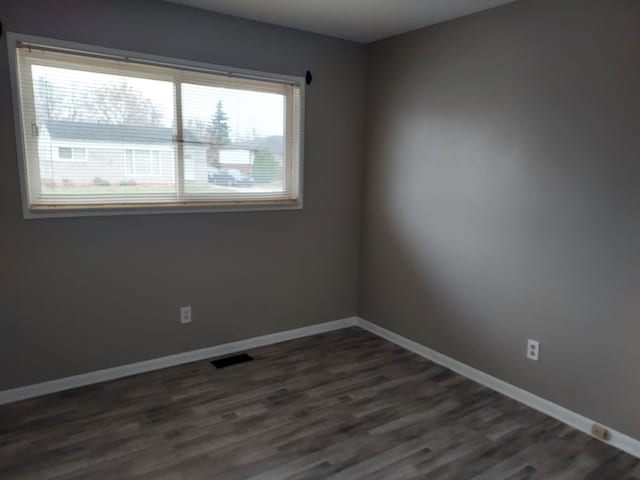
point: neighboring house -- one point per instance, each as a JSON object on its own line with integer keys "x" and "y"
{"x": 237, "y": 157}
{"x": 88, "y": 153}
{"x": 241, "y": 155}
{"x": 274, "y": 143}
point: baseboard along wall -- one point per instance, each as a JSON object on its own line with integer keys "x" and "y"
{"x": 98, "y": 376}
{"x": 573, "y": 419}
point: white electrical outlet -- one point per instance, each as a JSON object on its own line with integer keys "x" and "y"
{"x": 185, "y": 314}
{"x": 533, "y": 350}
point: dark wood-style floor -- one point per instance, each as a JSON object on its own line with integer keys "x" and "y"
{"x": 341, "y": 405}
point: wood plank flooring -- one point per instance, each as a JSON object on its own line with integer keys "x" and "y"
{"x": 342, "y": 405}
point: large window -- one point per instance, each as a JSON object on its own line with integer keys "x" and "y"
{"x": 104, "y": 133}
{"x": 142, "y": 162}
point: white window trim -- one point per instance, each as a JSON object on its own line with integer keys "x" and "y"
{"x": 58, "y": 158}
{"x": 152, "y": 153}
{"x": 13, "y": 41}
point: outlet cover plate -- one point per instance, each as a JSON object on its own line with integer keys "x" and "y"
{"x": 533, "y": 350}
{"x": 185, "y": 314}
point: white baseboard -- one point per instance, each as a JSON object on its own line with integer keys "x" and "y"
{"x": 573, "y": 419}
{"x": 84, "y": 379}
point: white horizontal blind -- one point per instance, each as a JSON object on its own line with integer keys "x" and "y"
{"x": 104, "y": 133}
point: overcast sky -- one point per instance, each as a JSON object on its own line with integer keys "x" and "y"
{"x": 247, "y": 111}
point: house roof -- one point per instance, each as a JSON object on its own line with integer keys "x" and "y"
{"x": 103, "y": 132}
{"x": 145, "y": 134}
{"x": 273, "y": 143}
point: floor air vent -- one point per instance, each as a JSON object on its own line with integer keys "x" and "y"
{"x": 232, "y": 360}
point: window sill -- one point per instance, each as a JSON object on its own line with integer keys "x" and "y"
{"x": 61, "y": 211}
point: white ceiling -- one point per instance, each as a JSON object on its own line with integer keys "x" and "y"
{"x": 358, "y": 20}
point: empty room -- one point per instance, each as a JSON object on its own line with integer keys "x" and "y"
{"x": 320, "y": 239}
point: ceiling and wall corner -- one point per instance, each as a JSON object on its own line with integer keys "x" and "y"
{"x": 361, "y": 21}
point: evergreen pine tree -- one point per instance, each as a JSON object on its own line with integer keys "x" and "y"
{"x": 219, "y": 126}
{"x": 218, "y": 132}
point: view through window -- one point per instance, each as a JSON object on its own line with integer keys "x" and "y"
{"x": 109, "y": 133}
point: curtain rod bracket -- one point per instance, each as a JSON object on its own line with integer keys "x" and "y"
{"x": 308, "y": 77}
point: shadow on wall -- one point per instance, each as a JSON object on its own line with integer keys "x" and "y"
{"x": 488, "y": 223}
{"x": 472, "y": 289}
{"x": 503, "y": 201}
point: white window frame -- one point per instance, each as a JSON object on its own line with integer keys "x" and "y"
{"x": 73, "y": 158}
{"x": 154, "y": 157}
{"x": 197, "y": 69}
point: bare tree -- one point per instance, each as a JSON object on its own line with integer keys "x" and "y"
{"x": 47, "y": 99}
{"x": 116, "y": 104}
{"x": 197, "y": 128}
{"x": 121, "y": 104}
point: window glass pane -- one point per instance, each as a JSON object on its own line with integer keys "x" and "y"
{"x": 102, "y": 132}
{"x": 234, "y": 141}
{"x": 65, "y": 152}
{"x": 117, "y": 120}
{"x": 142, "y": 166}
{"x": 156, "y": 163}
{"x": 143, "y": 155}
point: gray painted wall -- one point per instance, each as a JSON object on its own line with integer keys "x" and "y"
{"x": 502, "y": 203}
{"x": 88, "y": 293}
{"x": 503, "y": 197}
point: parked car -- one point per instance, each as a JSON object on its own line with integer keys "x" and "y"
{"x": 229, "y": 177}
